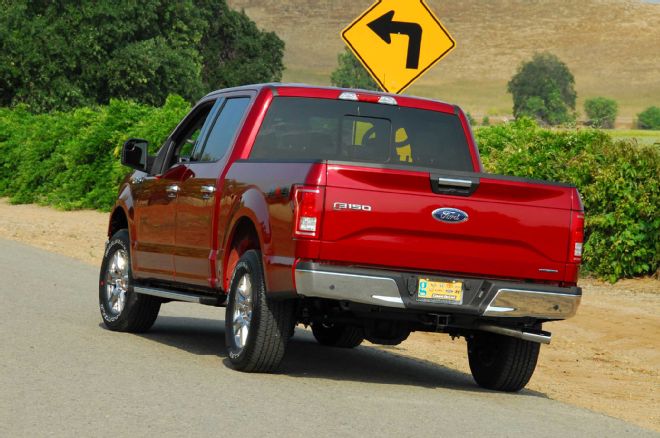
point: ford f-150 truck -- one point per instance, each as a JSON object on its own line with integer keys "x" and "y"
{"x": 359, "y": 214}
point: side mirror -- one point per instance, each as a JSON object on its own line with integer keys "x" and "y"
{"x": 134, "y": 154}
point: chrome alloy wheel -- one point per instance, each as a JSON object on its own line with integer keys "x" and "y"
{"x": 116, "y": 282}
{"x": 242, "y": 311}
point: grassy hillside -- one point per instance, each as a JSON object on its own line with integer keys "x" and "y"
{"x": 610, "y": 45}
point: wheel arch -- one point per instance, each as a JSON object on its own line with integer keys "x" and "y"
{"x": 243, "y": 237}
{"x": 118, "y": 221}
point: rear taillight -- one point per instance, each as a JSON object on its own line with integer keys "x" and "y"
{"x": 577, "y": 237}
{"x": 308, "y": 211}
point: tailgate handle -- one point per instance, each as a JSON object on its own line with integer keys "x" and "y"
{"x": 453, "y": 182}
{"x": 454, "y": 185}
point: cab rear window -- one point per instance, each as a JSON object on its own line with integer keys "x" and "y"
{"x": 304, "y": 128}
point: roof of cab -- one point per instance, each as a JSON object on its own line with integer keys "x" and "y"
{"x": 305, "y": 90}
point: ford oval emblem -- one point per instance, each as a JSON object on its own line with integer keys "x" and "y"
{"x": 450, "y": 215}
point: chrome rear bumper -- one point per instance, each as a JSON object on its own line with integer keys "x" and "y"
{"x": 485, "y": 298}
{"x": 514, "y": 303}
{"x": 364, "y": 289}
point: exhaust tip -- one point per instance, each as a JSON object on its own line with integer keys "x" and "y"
{"x": 540, "y": 338}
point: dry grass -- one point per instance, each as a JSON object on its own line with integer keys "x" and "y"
{"x": 610, "y": 45}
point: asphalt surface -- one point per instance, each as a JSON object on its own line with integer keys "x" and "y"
{"x": 63, "y": 374}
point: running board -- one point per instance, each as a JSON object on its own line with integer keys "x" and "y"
{"x": 180, "y": 296}
{"x": 541, "y": 338}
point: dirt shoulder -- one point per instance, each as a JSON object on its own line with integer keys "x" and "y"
{"x": 77, "y": 234}
{"x": 606, "y": 359}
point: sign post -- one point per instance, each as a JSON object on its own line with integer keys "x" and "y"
{"x": 398, "y": 41}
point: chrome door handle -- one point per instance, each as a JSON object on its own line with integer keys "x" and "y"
{"x": 207, "y": 191}
{"x": 172, "y": 190}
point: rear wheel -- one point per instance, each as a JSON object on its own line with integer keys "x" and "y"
{"x": 122, "y": 309}
{"x": 257, "y": 329}
{"x": 501, "y": 362}
{"x": 338, "y": 335}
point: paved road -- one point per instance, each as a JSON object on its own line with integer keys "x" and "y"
{"x": 63, "y": 374}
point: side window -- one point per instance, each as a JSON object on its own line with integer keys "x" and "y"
{"x": 186, "y": 140}
{"x": 224, "y": 130}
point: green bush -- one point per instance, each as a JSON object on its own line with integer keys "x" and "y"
{"x": 601, "y": 111}
{"x": 71, "y": 159}
{"x": 619, "y": 183}
{"x": 649, "y": 118}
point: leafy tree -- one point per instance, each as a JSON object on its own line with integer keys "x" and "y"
{"x": 351, "y": 74}
{"x": 544, "y": 88}
{"x": 234, "y": 51}
{"x": 61, "y": 54}
{"x": 649, "y": 118}
{"x": 601, "y": 111}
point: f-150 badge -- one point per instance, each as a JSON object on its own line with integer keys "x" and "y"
{"x": 450, "y": 215}
{"x": 354, "y": 207}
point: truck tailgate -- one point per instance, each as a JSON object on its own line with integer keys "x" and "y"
{"x": 377, "y": 216}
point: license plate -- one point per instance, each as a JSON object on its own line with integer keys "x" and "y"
{"x": 446, "y": 292}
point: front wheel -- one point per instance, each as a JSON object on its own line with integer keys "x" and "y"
{"x": 257, "y": 329}
{"x": 122, "y": 309}
{"x": 501, "y": 363}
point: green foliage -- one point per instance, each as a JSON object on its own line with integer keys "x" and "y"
{"x": 601, "y": 111}
{"x": 351, "y": 74}
{"x": 544, "y": 89}
{"x": 234, "y": 51}
{"x": 619, "y": 182}
{"x": 649, "y": 118}
{"x": 470, "y": 119}
{"x": 71, "y": 159}
{"x": 485, "y": 121}
{"x": 60, "y": 55}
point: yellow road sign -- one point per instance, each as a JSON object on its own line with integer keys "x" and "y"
{"x": 397, "y": 41}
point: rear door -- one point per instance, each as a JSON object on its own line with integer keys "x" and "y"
{"x": 194, "y": 258}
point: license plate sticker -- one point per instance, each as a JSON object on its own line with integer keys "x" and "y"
{"x": 445, "y": 292}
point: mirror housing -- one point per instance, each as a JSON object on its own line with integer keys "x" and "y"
{"x": 134, "y": 154}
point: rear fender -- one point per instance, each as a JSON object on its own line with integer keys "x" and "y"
{"x": 250, "y": 207}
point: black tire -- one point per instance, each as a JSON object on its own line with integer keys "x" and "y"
{"x": 501, "y": 363}
{"x": 270, "y": 322}
{"x": 139, "y": 312}
{"x": 338, "y": 335}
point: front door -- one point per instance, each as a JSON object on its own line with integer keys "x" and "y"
{"x": 156, "y": 199}
{"x": 195, "y": 256}
{"x": 155, "y": 209}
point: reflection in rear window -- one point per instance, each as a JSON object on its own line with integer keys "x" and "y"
{"x": 323, "y": 129}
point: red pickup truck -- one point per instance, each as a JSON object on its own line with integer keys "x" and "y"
{"x": 359, "y": 214}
